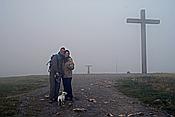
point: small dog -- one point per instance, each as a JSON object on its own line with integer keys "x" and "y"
{"x": 61, "y": 98}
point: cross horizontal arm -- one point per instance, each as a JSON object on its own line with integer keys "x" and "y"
{"x": 150, "y": 21}
{"x": 132, "y": 20}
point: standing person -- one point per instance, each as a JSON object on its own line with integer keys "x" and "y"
{"x": 67, "y": 79}
{"x": 56, "y": 73}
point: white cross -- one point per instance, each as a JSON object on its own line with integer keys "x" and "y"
{"x": 143, "y": 23}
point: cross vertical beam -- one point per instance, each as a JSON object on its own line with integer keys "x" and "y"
{"x": 143, "y": 42}
{"x": 88, "y": 66}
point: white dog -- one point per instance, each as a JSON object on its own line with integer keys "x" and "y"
{"x": 61, "y": 98}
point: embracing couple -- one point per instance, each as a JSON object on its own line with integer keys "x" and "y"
{"x": 61, "y": 66}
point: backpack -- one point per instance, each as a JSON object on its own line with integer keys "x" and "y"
{"x": 51, "y": 61}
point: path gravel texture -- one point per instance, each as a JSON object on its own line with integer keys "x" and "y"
{"x": 95, "y": 95}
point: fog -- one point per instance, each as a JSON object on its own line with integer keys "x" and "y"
{"x": 95, "y": 31}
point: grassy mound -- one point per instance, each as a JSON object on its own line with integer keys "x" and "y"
{"x": 157, "y": 90}
{"x": 12, "y": 87}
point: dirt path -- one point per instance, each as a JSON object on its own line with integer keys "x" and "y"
{"x": 96, "y": 94}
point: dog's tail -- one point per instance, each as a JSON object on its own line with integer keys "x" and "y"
{"x": 59, "y": 101}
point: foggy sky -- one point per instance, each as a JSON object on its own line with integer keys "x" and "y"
{"x": 95, "y": 31}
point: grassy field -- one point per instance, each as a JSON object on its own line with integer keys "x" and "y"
{"x": 12, "y": 87}
{"x": 156, "y": 90}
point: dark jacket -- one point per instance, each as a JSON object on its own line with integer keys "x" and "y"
{"x": 57, "y": 63}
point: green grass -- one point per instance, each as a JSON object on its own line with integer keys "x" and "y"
{"x": 12, "y": 87}
{"x": 157, "y": 90}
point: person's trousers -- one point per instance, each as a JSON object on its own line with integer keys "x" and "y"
{"x": 67, "y": 84}
{"x": 55, "y": 82}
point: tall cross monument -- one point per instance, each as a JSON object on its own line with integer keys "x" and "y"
{"x": 143, "y": 21}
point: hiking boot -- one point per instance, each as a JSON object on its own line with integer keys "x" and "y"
{"x": 69, "y": 99}
{"x": 52, "y": 100}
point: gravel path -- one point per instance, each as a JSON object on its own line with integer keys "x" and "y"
{"x": 94, "y": 96}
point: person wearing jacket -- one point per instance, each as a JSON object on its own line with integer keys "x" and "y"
{"x": 67, "y": 79}
{"x": 56, "y": 72}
